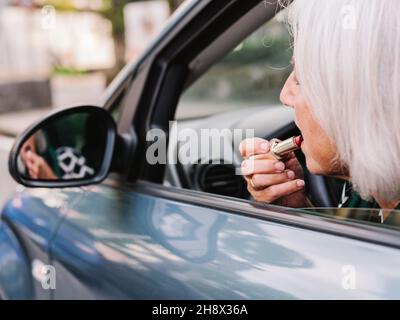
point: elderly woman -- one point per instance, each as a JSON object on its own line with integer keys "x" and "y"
{"x": 345, "y": 94}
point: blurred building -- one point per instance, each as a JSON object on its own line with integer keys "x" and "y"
{"x": 33, "y": 41}
{"x": 61, "y": 57}
{"x": 36, "y": 42}
{"x": 143, "y": 21}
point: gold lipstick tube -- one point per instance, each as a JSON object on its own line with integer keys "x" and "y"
{"x": 279, "y": 149}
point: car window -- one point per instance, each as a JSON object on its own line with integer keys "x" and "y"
{"x": 251, "y": 75}
{"x": 116, "y": 111}
{"x": 117, "y": 101}
{"x": 116, "y": 106}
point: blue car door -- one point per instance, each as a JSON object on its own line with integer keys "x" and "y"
{"x": 28, "y": 223}
{"x": 154, "y": 242}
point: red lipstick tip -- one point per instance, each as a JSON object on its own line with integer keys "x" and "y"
{"x": 298, "y": 141}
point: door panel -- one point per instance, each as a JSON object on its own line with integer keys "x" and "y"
{"x": 34, "y": 215}
{"x": 121, "y": 244}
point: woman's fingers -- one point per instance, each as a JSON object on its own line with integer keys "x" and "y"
{"x": 253, "y": 146}
{"x": 261, "y": 181}
{"x": 250, "y": 167}
{"x": 33, "y": 171}
{"x": 268, "y": 179}
{"x": 35, "y": 165}
{"x": 276, "y": 191}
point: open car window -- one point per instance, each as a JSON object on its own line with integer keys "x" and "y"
{"x": 251, "y": 75}
{"x": 240, "y": 92}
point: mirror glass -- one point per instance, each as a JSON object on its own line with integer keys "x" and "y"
{"x": 68, "y": 147}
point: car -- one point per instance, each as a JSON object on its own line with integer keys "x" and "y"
{"x": 103, "y": 222}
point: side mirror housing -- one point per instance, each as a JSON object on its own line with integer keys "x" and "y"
{"x": 72, "y": 147}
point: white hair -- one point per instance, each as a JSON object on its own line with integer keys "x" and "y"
{"x": 347, "y": 55}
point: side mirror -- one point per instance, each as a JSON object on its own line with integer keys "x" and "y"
{"x": 73, "y": 147}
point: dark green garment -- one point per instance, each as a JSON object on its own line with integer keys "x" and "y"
{"x": 354, "y": 200}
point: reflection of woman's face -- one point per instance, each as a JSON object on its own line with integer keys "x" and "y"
{"x": 37, "y": 167}
{"x": 29, "y": 145}
{"x": 317, "y": 147}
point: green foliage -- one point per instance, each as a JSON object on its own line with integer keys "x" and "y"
{"x": 252, "y": 73}
{"x": 114, "y": 11}
{"x": 61, "y": 5}
{"x": 278, "y": 52}
{"x": 110, "y": 9}
{"x": 64, "y": 71}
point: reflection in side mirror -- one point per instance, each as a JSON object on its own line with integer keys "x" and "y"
{"x": 73, "y": 147}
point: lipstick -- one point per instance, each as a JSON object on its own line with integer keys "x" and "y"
{"x": 279, "y": 149}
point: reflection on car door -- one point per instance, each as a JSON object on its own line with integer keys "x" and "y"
{"x": 117, "y": 243}
{"x": 34, "y": 216}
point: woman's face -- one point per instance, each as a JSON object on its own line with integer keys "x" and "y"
{"x": 317, "y": 147}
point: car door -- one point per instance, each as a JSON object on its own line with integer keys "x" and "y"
{"x": 155, "y": 242}
{"x": 28, "y": 223}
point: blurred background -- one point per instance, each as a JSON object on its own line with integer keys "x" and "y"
{"x": 64, "y": 52}
{"x": 59, "y": 53}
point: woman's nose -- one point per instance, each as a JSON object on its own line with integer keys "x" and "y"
{"x": 285, "y": 98}
{"x": 286, "y": 95}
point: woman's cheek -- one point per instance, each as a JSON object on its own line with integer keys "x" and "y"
{"x": 312, "y": 160}
{"x": 314, "y": 167}
{"x": 313, "y": 150}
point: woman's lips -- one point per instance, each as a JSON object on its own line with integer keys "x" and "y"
{"x": 298, "y": 141}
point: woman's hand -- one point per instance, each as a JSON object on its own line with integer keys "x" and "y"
{"x": 270, "y": 180}
{"x": 38, "y": 167}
